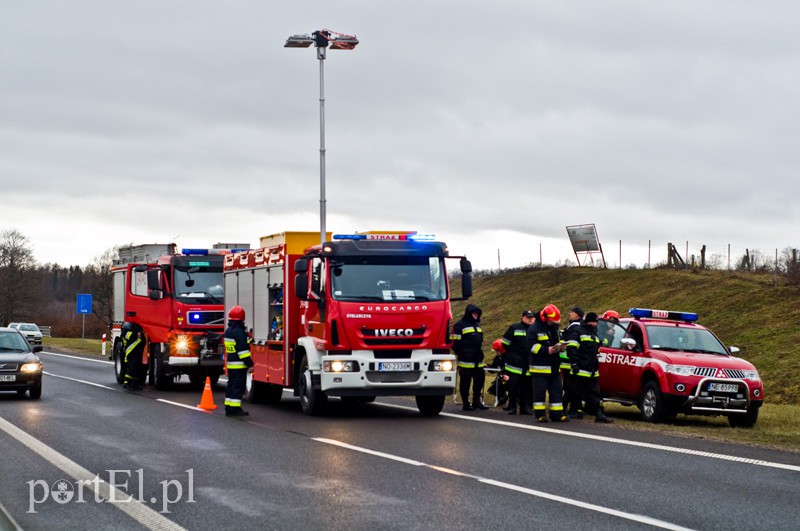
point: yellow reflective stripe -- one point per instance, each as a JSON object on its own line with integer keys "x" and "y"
{"x": 588, "y": 338}
{"x": 539, "y": 369}
{"x": 536, "y": 348}
{"x": 466, "y": 365}
{"x": 557, "y": 407}
{"x": 132, "y": 346}
{"x": 455, "y": 337}
{"x": 230, "y": 346}
{"x": 512, "y": 369}
{"x": 542, "y": 337}
{"x": 243, "y": 354}
{"x": 567, "y": 366}
{"x": 505, "y": 341}
{"x": 573, "y": 343}
{"x": 233, "y": 402}
{"x": 236, "y": 365}
{"x": 520, "y": 332}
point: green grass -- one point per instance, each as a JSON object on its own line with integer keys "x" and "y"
{"x": 77, "y": 345}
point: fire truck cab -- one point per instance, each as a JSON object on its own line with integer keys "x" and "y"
{"x": 666, "y": 363}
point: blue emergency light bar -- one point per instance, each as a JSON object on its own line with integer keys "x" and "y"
{"x": 386, "y": 237}
{"x": 689, "y": 317}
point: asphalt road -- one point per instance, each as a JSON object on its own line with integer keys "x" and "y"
{"x": 373, "y": 466}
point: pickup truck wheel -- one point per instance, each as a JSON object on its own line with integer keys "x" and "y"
{"x": 430, "y": 406}
{"x": 652, "y": 403}
{"x": 163, "y": 381}
{"x": 748, "y": 420}
{"x": 312, "y": 400}
{"x": 119, "y": 362}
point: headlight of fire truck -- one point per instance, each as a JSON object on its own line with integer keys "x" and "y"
{"x": 442, "y": 366}
{"x": 181, "y": 345}
{"x": 680, "y": 370}
{"x": 339, "y": 366}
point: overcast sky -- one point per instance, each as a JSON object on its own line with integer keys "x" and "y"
{"x": 493, "y": 125}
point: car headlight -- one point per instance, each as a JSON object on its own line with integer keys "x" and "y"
{"x": 681, "y": 370}
{"x": 750, "y": 375}
{"x": 33, "y": 366}
{"x": 339, "y": 366}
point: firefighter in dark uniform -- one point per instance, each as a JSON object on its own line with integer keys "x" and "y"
{"x": 238, "y": 361}
{"x": 544, "y": 347}
{"x": 569, "y": 336}
{"x": 133, "y": 347}
{"x": 519, "y": 378}
{"x": 585, "y": 370}
{"x": 467, "y": 340}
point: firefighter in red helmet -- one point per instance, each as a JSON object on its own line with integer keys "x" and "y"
{"x": 543, "y": 345}
{"x": 238, "y": 361}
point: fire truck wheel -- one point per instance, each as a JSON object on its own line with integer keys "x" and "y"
{"x": 430, "y": 406}
{"x": 748, "y": 420}
{"x": 652, "y": 403}
{"x": 119, "y": 363}
{"x": 312, "y": 400}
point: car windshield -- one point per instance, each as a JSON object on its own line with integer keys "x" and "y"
{"x": 679, "y": 338}
{"x": 12, "y": 342}
{"x": 29, "y": 328}
{"x": 388, "y": 278}
{"x": 199, "y": 284}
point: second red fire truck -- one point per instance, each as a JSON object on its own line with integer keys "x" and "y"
{"x": 360, "y": 316}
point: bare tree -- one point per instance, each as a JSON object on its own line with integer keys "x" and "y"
{"x": 101, "y": 284}
{"x": 17, "y": 284}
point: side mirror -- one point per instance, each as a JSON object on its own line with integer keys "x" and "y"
{"x": 629, "y": 343}
{"x": 301, "y": 265}
{"x": 733, "y": 350}
{"x": 301, "y": 285}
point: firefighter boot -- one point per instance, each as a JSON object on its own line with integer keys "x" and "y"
{"x": 477, "y": 403}
{"x": 602, "y": 418}
{"x": 467, "y": 406}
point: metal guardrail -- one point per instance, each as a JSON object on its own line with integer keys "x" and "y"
{"x": 45, "y": 331}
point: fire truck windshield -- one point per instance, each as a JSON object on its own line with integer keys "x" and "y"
{"x": 199, "y": 284}
{"x": 388, "y": 278}
{"x": 679, "y": 338}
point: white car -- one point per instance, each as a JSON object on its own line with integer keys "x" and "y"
{"x": 31, "y": 333}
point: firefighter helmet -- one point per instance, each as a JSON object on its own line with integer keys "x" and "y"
{"x": 498, "y": 345}
{"x": 550, "y": 313}
{"x": 611, "y": 314}
{"x": 236, "y": 314}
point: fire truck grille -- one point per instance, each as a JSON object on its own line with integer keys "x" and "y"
{"x": 394, "y": 341}
{"x": 393, "y": 377}
{"x": 8, "y": 367}
{"x": 206, "y": 318}
{"x": 399, "y": 354}
{"x": 734, "y": 373}
{"x": 705, "y": 372}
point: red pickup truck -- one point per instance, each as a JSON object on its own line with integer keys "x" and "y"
{"x": 666, "y": 363}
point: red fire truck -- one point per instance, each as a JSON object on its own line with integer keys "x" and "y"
{"x": 359, "y": 316}
{"x": 177, "y": 299}
{"x": 666, "y": 363}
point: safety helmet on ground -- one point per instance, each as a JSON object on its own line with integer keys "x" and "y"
{"x": 550, "y": 312}
{"x": 498, "y": 345}
{"x": 610, "y": 314}
{"x": 236, "y": 314}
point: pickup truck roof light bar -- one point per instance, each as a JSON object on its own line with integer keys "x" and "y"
{"x": 639, "y": 313}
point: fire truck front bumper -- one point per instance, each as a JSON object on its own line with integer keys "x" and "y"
{"x": 361, "y": 374}
{"x": 211, "y": 359}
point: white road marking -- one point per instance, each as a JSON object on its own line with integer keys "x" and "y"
{"x": 138, "y": 511}
{"x": 77, "y": 380}
{"x": 651, "y": 446}
{"x": 531, "y": 492}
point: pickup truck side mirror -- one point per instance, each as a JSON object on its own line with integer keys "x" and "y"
{"x": 628, "y": 343}
{"x": 733, "y": 350}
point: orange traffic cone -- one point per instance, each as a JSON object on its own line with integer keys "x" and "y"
{"x": 207, "y": 400}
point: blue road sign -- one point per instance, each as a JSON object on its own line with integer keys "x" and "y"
{"x": 84, "y": 303}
